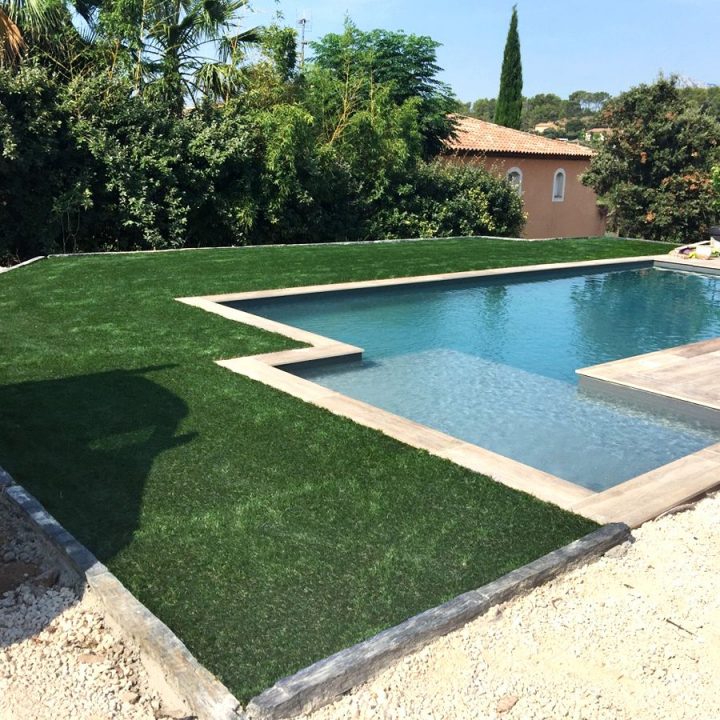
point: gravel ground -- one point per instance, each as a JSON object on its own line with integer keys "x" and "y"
{"x": 634, "y": 635}
{"x": 59, "y": 659}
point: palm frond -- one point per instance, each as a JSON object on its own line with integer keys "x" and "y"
{"x": 86, "y": 28}
{"x": 229, "y": 46}
{"x": 37, "y": 17}
{"x": 217, "y": 80}
{"x": 11, "y": 38}
{"x": 87, "y": 10}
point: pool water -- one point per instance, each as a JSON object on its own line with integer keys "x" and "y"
{"x": 492, "y": 361}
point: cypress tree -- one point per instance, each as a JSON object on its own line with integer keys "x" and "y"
{"x": 510, "y": 100}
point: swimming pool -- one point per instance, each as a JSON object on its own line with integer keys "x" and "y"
{"x": 492, "y": 360}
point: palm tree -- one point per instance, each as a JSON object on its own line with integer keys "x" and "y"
{"x": 11, "y": 39}
{"x": 173, "y": 50}
{"x": 46, "y": 24}
{"x": 222, "y": 79}
{"x": 22, "y": 18}
{"x": 175, "y": 38}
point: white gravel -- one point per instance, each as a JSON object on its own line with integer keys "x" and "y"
{"x": 634, "y": 635}
{"x": 58, "y": 658}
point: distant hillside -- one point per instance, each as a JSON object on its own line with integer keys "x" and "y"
{"x": 578, "y": 117}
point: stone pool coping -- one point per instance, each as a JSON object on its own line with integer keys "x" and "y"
{"x": 633, "y": 502}
{"x": 323, "y": 681}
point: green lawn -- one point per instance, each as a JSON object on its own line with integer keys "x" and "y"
{"x": 265, "y": 532}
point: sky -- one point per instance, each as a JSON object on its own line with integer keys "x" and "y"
{"x": 566, "y": 46}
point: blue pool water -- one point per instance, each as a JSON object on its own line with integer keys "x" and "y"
{"x": 493, "y": 361}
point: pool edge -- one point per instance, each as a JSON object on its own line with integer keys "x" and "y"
{"x": 607, "y": 506}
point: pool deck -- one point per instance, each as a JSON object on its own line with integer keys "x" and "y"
{"x": 687, "y": 374}
{"x": 684, "y": 377}
{"x": 647, "y": 496}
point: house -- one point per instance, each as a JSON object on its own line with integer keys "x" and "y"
{"x": 543, "y": 127}
{"x": 546, "y": 173}
{"x": 598, "y": 134}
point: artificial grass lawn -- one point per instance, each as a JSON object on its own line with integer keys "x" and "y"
{"x": 265, "y": 532}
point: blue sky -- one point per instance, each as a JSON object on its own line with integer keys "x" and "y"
{"x": 566, "y": 46}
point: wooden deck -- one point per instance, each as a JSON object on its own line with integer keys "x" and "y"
{"x": 653, "y": 493}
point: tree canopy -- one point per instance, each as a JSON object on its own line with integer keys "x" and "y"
{"x": 405, "y": 64}
{"x": 653, "y": 170}
{"x": 582, "y": 101}
{"x": 572, "y": 116}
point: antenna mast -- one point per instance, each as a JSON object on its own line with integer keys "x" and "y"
{"x": 303, "y": 21}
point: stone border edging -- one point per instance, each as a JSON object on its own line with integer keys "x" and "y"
{"x": 206, "y": 696}
{"x": 274, "y": 370}
{"x": 325, "y": 680}
{"x": 385, "y": 241}
{"x": 658, "y": 490}
{"x": 320, "y": 683}
{"x": 22, "y": 264}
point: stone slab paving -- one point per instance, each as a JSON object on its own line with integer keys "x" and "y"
{"x": 635, "y": 634}
{"x": 60, "y": 658}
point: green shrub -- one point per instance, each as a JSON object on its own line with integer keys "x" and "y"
{"x": 38, "y": 163}
{"x": 91, "y": 166}
{"x": 156, "y": 181}
{"x": 443, "y": 200}
{"x": 653, "y": 170}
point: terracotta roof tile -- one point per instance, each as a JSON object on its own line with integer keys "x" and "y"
{"x": 473, "y": 135}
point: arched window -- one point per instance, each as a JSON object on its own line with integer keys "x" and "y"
{"x": 559, "y": 186}
{"x": 515, "y": 178}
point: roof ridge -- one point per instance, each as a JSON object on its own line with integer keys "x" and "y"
{"x": 476, "y": 135}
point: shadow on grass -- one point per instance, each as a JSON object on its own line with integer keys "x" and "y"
{"x": 84, "y": 446}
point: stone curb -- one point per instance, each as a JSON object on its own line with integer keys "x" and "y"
{"x": 22, "y": 264}
{"x": 322, "y": 682}
{"x": 387, "y": 241}
{"x": 206, "y": 696}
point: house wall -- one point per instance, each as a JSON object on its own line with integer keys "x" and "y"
{"x": 576, "y": 216}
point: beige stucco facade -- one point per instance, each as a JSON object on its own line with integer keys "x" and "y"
{"x": 576, "y": 215}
